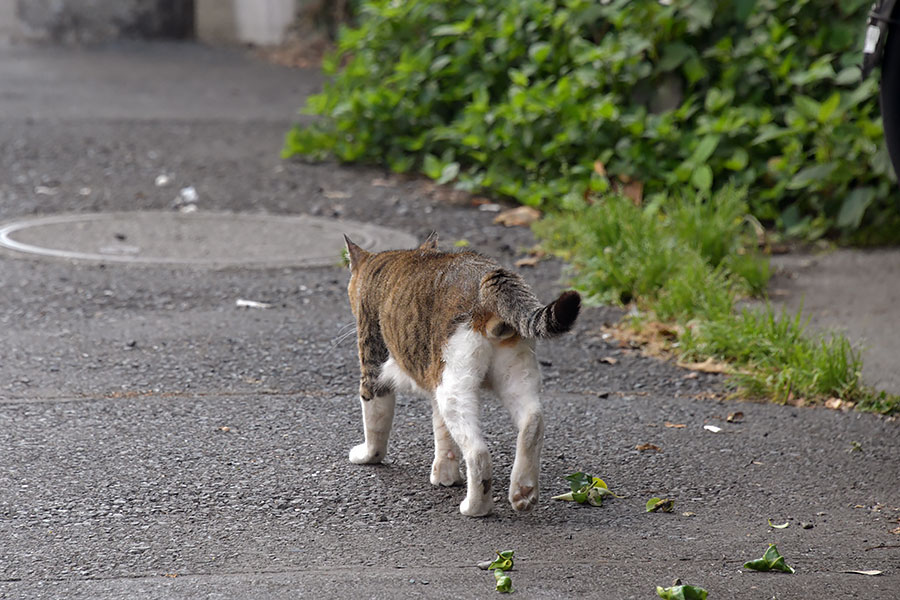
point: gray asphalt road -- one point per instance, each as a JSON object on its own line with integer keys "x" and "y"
{"x": 156, "y": 441}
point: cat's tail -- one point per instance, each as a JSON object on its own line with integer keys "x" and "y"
{"x": 507, "y": 294}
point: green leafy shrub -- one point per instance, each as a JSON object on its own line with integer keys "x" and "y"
{"x": 546, "y": 101}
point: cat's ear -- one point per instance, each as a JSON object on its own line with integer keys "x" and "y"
{"x": 430, "y": 242}
{"x": 356, "y": 254}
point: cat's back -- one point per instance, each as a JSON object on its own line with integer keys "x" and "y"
{"x": 398, "y": 277}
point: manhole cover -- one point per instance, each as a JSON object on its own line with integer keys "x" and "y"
{"x": 203, "y": 239}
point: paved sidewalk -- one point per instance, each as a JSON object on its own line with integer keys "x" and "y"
{"x": 157, "y": 441}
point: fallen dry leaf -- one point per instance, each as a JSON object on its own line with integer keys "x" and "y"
{"x": 838, "y": 404}
{"x": 896, "y": 531}
{"x": 521, "y": 216}
{"x": 645, "y": 447}
{"x": 635, "y": 191}
{"x": 674, "y": 425}
{"x": 691, "y": 375}
{"x": 528, "y": 261}
{"x": 735, "y": 417}
{"x": 710, "y": 365}
{"x": 608, "y": 360}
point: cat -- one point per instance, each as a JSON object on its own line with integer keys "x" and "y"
{"x": 443, "y": 325}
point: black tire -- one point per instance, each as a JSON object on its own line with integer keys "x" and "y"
{"x": 890, "y": 94}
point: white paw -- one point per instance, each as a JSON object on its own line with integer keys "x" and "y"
{"x": 362, "y": 455}
{"x": 477, "y": 507}
{"x": 523, "y": 497}
{"x": 479, "y": 500}
{"x": 445, "y": 472}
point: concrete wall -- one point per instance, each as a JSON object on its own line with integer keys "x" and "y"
{"x": 91, "y": 21}
{"x": 9, "y": 21}
{"x": 261, "y": 22}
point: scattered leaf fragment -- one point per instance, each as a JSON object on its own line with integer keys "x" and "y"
{"x": 461, "y": 243}
{"x": 855, "y": 447}
{"x": 735, "y": 417}
{"x": 528, "y": 261}
{"x": 712, "y": 428}
{"x": 688, "y": 514}
{"x": 870, "y": 573}
{"x": 504, "y": 582}
{"x": 681, "y": 592}
{"x": 243, "y": 303}
{"x": 659, "y": 505}
{"x": 896, "y": 531}
{"x": 645, "y": 447}
{"x": 772, "y": 560}
{"x": 784, "y": 525}
{"x": 674, "y": 425}
{"x": 634, "y": 190}
{"x": 226, "y": 429}
{"x": 504, "y": 560}
{"x": 521, "y": 216}
{"x": 585, "y": 490}
{"x": 838, "y": 404}
{"x": 710, "y": 365}
{"x": 609, "y": 360}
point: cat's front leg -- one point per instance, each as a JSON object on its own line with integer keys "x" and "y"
{"x": 378, "y": 416}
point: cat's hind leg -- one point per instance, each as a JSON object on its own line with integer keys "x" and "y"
{"x": 378, "y": 416}
{"x": 466, "y": 358}
{"x": 445, "y": 468}
{"x": 515, "y": 376}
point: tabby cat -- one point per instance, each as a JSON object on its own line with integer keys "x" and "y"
{"x": 445, "y": 324}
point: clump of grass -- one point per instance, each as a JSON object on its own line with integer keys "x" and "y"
{"x": 777, "y": 357}
{"x": 688, "y": 262}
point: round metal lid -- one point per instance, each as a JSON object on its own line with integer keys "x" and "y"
{"x": 198, "y": 239}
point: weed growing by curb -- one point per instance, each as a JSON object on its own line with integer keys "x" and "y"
{"x": 687, "y": 265}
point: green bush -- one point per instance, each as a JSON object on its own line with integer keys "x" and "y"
{"x": 547, "y": 101}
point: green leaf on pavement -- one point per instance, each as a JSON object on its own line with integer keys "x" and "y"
{"x": 585, "y": 489}
{"x": 784, "y": 525}
{"x": 504, "y": 561}
{"x": 659, "y": 505}
{"x": 504, "y": 583}
{"x": 772, "y": 560}
{"x": 681, "y": 592}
